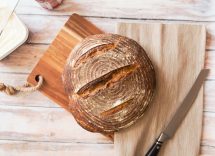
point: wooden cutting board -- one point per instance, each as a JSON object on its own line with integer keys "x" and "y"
{"x": 52, "y": 63}
{"x": 177, "y": 52}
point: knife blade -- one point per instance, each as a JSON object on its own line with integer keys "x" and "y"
{"x": 180, "y": 114}
{"x": 7, "y": 17}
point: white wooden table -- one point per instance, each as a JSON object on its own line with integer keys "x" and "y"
{"x": 33, "y": 125}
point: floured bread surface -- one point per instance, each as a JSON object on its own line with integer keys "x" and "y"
{"x": 110, "y": 81}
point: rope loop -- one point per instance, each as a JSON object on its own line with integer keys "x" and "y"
{"x": 11, "y": 90}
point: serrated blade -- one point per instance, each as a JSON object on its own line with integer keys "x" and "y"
{"x": 185, "y": 105}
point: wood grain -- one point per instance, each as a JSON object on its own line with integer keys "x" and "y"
{"x": 167, "y": 45}
{"x": 209, "y": 96}
{"x": 178, "y": 9}
{"x": 45, "y": 32}
{"x": 207, "y": 151}
{"x": 35, "y": 99}
{"x": 36, "y": 117}
{"x": 208, "y": 135}
{"x": 28, "y": 56}
{"x": 52, "y": 132}
{"x": 25, "y": 148}
{"x": 52, "y": 63}
{"x": 47, "y": 124}
{"x": 209, "y": 63}
{"x": 34, "y": 148}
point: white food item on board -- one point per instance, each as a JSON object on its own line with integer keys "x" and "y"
{"x": 14, "y": 34}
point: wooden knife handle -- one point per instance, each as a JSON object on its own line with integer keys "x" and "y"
{"x": 155, "y": 148}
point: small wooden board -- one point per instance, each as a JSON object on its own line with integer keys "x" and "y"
{"x": 177, "y": 52}
{"x": 52, "y": 63}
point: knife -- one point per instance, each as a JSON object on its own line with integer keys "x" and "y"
{"x": 6, "y": 19}
{"x": 179, "y": 115}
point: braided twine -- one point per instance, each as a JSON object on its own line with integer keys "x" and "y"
{"x": 11, "y": 90}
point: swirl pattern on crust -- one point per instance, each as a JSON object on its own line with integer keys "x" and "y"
{"x": 110, "y": 81}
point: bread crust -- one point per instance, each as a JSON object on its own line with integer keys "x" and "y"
{"x": 110, "y": 81}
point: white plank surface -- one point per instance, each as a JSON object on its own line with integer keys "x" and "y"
{"x": 25, "y": 148}
{"x": 46, "y": 124}
{"x": 197, "y": 10}
{"x": 23, "y": 59}
{"x": 209, "y": 96}
{"x": 43, "y": 31}
{"x": 43, "y": 26}
{"x": 208, "y": 135}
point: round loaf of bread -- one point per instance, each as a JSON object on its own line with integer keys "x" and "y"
{"x": 110, "y": 81}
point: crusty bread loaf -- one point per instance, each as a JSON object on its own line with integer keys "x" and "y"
{"x": 110, "y": 81}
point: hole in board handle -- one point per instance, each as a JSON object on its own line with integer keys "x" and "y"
{"x": 37, "y": 78}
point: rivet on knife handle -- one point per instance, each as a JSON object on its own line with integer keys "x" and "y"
{"x": 155, "y": 148}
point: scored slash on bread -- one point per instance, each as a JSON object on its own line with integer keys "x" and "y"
{"x": 110, "y": 81}
{"x": 115, "y": 109}
{"x": 93, "y": 52}
{"x": 106, "y": 80}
